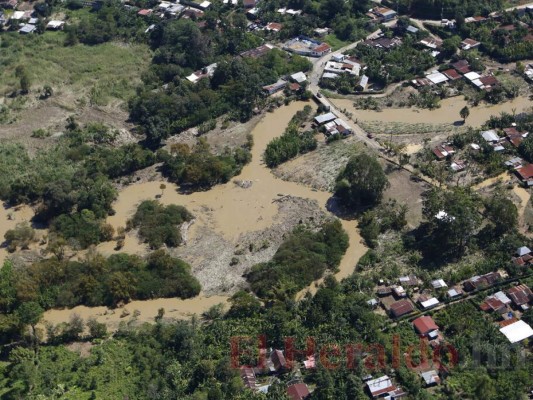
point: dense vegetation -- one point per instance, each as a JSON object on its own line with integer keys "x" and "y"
{"x": 504, "y": 45}
{"x": 397, "y": 64}
{"x": 303, "y": 257}
{"x": 191, "y": 360}
{"x": 292, "y": 142}
{"x": 235, "y": 88}
{"x": 384, "y": 217}
{"x": 159, "y": 224}
{"x": 71, "y": 182}
{"x": 96, "y": 281}
{"x": 361, "y": 182}
{"x": 199, "y": 168}
{"x": 449, "y": 8}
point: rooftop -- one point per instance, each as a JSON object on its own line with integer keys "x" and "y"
{"x": 425, "y": 324}
{"x": 380, "y": 386}
{"x": 517, "y": 331}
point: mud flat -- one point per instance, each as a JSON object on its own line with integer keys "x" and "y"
{"x": 227, "y": 216}
{"x": 447, "y": 113}
{"x": 9, "y": 218}
{"x": 147, "y": 310}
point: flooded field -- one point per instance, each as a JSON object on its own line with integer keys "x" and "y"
{"x": 229, "y": 210}
{"x": 447, "y": 113}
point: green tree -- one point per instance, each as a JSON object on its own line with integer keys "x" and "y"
{"x": 30, "y": 313}
{"x": 21, "y": 236}
{"x": 362, "y": 182}
{"x": 526, "y": 148}
{"x": 502, "y": 212}
{"x": 464, "y": 113}
{"x": 25, "y": 83}
{"x": 453, "y": 219}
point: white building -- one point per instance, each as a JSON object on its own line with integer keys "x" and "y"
{"x": 517, "y": 331}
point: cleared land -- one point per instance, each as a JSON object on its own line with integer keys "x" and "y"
{"x": 90, "y": 82}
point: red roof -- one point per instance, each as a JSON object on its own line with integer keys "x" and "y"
{"x": 492, "y": 303}
{"x": 401, "y": 307}
{"x": 489, "y": 80}
{"x": 520, "y": 294}
{"x": 274, "y": 26}
{"x": 460, "y": 64}
{"x": 322, "y": 47}
{"x": 470, "y": 42}
{"x": 145, "y": 12}
{"x": 511, "y": 131}
{"x": 294, "y": 86}
{"x": 424, "y": 325}
{"x": 438, "y": 153}
{"x": 299, "y": 391}
{"x": 452, "y": 74}
{"x": 507, "y": 322}
{"x": 526, "y": 172}
{"x": 278, "y": 359}
{"x": 515, "y": 141}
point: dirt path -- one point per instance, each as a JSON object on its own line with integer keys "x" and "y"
{"x": 228, "y": 210}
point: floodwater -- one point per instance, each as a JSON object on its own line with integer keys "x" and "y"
{"x": 524, "y": 196}
{"x": 228, "y": 209}
{"x": 503, "y": 177}
{"x": 174, "y": 308}
{"x": 447, "y": 113}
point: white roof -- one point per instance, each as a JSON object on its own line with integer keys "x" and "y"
{"x": 329, "y": 75}
{"x": 192, "y": 78}
{"x": 437, "y": 77}
{"x": 517, "y": 331}
{"x": 522, "y": 251}
{"x": 379, "y": 384}
{"x": 429, "y": 303}
{"x": 472, "y": 76}
{"x": 320, "y": 119}
{"x": 342, "y": 123}
{"x": 55, "y": 24}
{"x": 502, "y": 297}
{"x": 475, "y": 146}
{"x": 399, "y": 289}
{"x": 299, "y": 77}
{"x": 453, "y": 292}
{"x": 205, "y": 4}
{"x": 372, "y": 302}
{"x": 490, "y": 135}
{"x": 439, "y": 283}
{"x": 18, "y": 15}
{"x": 430, "y": 377}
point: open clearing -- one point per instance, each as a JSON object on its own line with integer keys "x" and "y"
{"x": 90, "y": 82}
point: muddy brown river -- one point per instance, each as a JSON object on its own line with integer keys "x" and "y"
{"x": 229, "y": 209}
{"x": 447, "y": 113}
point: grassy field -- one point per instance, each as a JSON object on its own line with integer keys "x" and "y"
{"x": 399, "y": 128}
{"x": 110, "y": 70}
{"x": 335, "y": 42}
